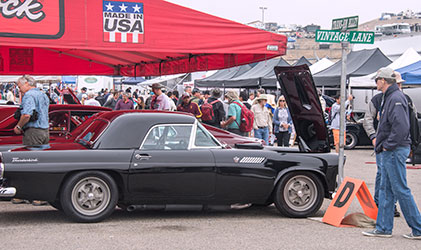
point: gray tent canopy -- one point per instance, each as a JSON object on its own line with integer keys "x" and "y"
{"x": 302, "y": 61}
{"x": 218, "y": 78}
{"x": 260, "y": 75}
{"x": 359, "y": 63}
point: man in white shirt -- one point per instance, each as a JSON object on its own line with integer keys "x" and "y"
{"x": 160, "y": 101}
{"x": 10, "y": 97}
{"x": 91, "y": 100}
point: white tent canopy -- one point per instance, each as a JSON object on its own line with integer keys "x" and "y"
{"x": 320, "y": 65}
{"x": 408, "y": 57}
{"x": 13, "y": 78}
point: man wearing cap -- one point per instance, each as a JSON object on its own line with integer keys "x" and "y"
{"x": 370, "y": 124}
{"x": 82, "y": 91}
{"x": 234, "y": 114}
{"x": 160, "y": 101}
{"x": 196, "y": 97}
{"x": 262, "y": 124}
{"x": 189, "y": 107}
{"x": 393, "y": 143}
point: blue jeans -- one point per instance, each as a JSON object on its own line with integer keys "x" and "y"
{"x": 378, "y": 177}
{"x": 393, "y": 186}
{"x": 262, "y": 133}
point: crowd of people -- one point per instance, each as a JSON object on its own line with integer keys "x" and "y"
{"x": 271, "y": 121}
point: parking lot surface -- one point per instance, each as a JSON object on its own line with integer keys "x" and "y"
{"x": 29, "y": 227}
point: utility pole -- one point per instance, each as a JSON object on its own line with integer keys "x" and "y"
{"x": 263, "y": 15}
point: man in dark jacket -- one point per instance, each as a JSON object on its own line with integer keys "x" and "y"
{"x": 393, "y": 143}
{"x": 218, "y": 108}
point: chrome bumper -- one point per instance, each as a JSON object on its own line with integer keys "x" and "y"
{"x": 7, "y": 192}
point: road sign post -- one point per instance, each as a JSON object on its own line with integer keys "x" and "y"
{"x": 344, "y": 46}
{"x": 339, "y": 34}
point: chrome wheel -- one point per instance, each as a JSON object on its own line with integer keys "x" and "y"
{"x": 90, "y": 196}
{"x": 300, "y": 193}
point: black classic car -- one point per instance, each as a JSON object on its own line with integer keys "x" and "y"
{"x": 163, "y": 159}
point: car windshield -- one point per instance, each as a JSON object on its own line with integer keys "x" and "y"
{"x": 89, "y": 136}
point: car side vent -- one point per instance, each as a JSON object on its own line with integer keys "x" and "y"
{"x": 252, "y": 160}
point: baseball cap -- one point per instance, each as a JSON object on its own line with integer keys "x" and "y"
{"x": 386, "y": 72}
{"x": 398, "y": 77}
{"x": 195, "y": 90}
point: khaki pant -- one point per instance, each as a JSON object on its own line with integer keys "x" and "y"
{"x": 35, "y": 137}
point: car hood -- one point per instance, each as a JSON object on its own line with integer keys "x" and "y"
{"x": 304, "y": 105}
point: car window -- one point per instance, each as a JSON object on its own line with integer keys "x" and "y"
{"x": 203, "y": 138}
{"x": 78, "y": 117}
{"x": 90, "y": 135}
{"x": 168, "y": 137}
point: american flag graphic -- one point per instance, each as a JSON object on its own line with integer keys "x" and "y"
{"x": 123, "y": 22}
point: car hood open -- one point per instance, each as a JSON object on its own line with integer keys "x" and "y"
{"x": 304, "y": 105}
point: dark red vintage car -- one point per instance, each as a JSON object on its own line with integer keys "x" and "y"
{"x": 65, "y": 120}
{"x": 68, "y": 121}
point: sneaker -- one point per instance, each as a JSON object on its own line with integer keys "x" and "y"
{"x": 377, "y": 233}
{"x": 411, "y": 236}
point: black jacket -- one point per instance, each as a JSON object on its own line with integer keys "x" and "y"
{"x": 393, "y": 129}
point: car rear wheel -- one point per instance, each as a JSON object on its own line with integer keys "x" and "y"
{"x": 299, "y": 194}
{"x": 89, "y": 196}
{"x": 351, "y": 140}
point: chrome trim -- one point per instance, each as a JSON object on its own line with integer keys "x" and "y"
{"x": 1, "y": 166}
{"x": 7, "y": 192}
{"x": 209, "y": 133}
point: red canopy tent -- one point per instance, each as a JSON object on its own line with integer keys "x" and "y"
{"x": 129, "y": 37}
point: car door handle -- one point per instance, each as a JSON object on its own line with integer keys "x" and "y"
{"x": 142, "y": 157}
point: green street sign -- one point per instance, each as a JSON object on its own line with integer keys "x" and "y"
{"x": 345, "y": 23}
{"x": 335, "y": 36}
{"x": 366, "y": 37}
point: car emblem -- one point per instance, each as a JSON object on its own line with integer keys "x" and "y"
{"x": 236, "y": 159}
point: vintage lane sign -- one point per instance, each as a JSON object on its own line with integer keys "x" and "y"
{"x": 123, "y": 22}
{"x": 345, "y": 23}
{"x": 335, "y": 36}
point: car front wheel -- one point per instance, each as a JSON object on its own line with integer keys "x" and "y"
{"x": 89, "y": 196}
{"x": 299, "y": 194}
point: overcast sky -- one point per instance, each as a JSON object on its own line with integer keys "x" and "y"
{"x": 301, "y": 12}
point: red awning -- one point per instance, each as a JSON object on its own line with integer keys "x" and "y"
{"x": 129, "y": 37}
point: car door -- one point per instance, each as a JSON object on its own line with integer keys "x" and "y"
{"x": 168, "y": 165}
{"x": 304, "y": 105}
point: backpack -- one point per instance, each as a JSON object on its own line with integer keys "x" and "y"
{"x": 329, "y": 117}
{"x": 247, "y": 118}
{"x": 207, "y": 111}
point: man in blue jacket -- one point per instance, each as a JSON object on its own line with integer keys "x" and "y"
{"x": 393, "y": 143}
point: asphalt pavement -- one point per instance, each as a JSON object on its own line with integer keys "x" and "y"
{"x": 29, "y": 227}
